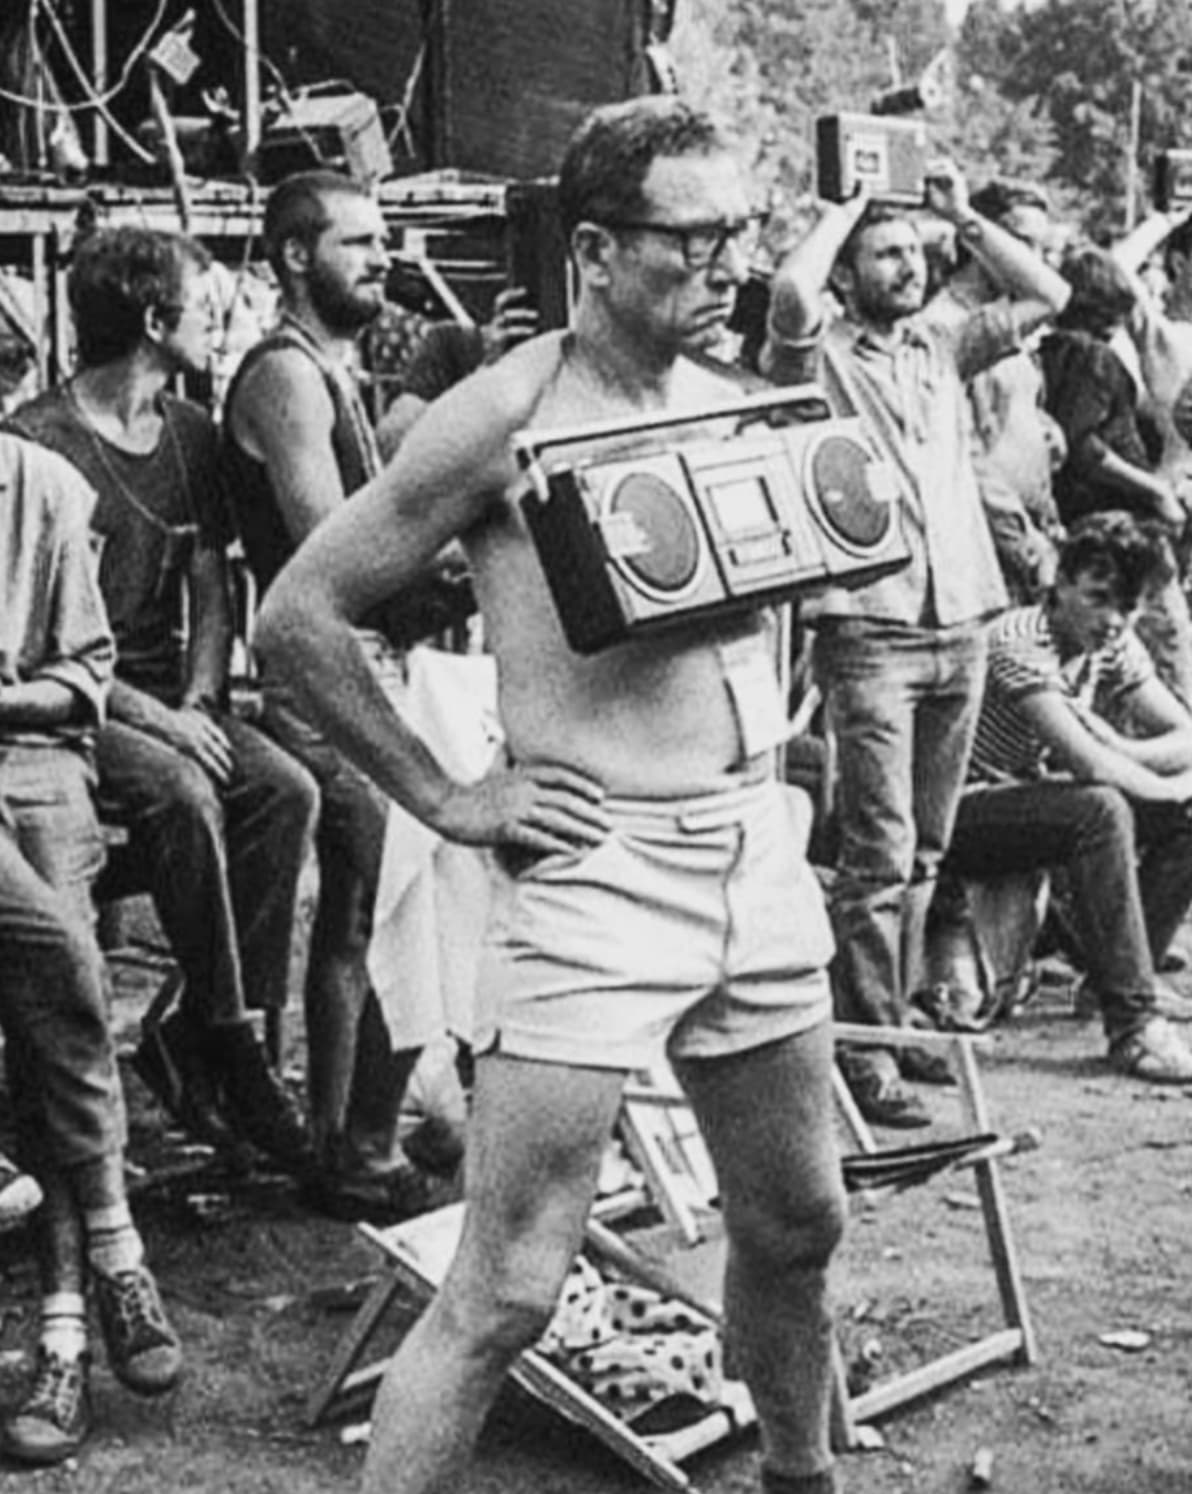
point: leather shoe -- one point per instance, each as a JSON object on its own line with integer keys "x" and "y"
{"x": 171, "y": 1062}
{"x": 255, "y": 1100}
{"x": 382, "y": 1199}
{"x": 885, "y": 1101}
{"x": 923, "y": 1067}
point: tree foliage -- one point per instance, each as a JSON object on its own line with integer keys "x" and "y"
{"x": 1041, "y": 90}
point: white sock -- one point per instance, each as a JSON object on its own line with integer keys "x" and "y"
{"x": 63, "y": 1324}
{"x": 113, "y": 1243}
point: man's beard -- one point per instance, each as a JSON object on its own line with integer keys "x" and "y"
{"x": 338, "y": 307}
{"x": 882, "y": 306}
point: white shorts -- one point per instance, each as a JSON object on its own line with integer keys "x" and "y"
{"x": 696, "y": 929}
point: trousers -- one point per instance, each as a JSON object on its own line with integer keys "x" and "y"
{"x": 224, "y": 859}
{"x": 63, "y": 1080}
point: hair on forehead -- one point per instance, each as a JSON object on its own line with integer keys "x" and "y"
{"x": 876, "y": 214}
{"x": 1113, "y": 546}
{"x": 606, "y": 163}
{"x": 299, "y": 208}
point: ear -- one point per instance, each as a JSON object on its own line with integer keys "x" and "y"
{"x": 842, "y": 279}
{"x": 593, "y": 246}
{"x": 154, "y": 325}
{"x": 295, "y": 256}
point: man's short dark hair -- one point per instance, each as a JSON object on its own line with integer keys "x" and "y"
{"x": 116, "y": 276}
{"x": 298, "y": 209}
{"x": 998, "y": 198}
{"x": 1102, "y": 295}
{"x": 610, "y": 155}
{"x": 1117, "y": 547}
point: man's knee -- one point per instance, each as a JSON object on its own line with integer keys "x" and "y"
{"x": 791, "y": 1233}
{"x": 506, "y": 1309}
{"x": 1106, "y": 817}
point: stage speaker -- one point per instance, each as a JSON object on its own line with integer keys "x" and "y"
{"x": 514, "y": 79}
{"x": 500, "y": 84}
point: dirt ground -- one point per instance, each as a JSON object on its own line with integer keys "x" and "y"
{"x": 262, "y": 1293}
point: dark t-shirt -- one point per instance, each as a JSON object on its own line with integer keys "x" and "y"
{"x": 446, "y": 354}
{"x": 153, "y": 510}
{"x": 1090, "y": 393}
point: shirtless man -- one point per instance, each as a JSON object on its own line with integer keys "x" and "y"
{"x": 671, "y": 909}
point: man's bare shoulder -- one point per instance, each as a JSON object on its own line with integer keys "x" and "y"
{"x": 280, "y": 383}
{"x": 512, "y": 391}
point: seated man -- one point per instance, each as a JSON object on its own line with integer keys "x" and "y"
{"x": 222, "y": 816}
{"x": 1053, "y": 783}
{"x": 55, "y": 669}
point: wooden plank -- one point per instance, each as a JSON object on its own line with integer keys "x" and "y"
{"x": 946, "y": 1370}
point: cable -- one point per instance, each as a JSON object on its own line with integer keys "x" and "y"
{"x": 266, "y": 62}
{"x": 98, "y": 103}
{"x": 96, "y": 100}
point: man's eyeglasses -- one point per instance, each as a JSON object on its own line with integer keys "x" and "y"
{"x": 702, "y": 243}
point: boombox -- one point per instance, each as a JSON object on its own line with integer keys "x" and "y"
{"x": 887, "y": 156}
{"x": 1173, "y": 180}
{"x": 634, "y": 539}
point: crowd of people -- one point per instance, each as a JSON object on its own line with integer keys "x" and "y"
{"x": 991, "y": 705}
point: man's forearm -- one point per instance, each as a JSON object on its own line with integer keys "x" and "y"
{"x": 137, "y": 709}
{"x": 35, "y": 704}
{"x": 316, "y": 651}
{"x": 1014, "y": 266}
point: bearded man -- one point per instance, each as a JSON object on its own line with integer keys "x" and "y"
{"x": 298, "y": 444}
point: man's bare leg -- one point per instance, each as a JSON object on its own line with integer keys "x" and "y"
{"x": 535, "y": 1141}
{"x": 767, "y": 1117}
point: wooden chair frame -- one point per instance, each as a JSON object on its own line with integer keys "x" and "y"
{"x": 661, "y": 1135}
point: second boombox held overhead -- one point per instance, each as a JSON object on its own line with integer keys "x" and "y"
{"x": 648, "y": 525}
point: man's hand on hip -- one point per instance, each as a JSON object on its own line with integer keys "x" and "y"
{"x": 539, "y": 807}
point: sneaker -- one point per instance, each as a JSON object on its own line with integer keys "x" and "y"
{"x": 1154, "y": 1052}
{"x": 54, "y": 1419}
{"x": 885, "y": 1101}
{"x": 144, "y": 1352}
{"x": 19, "y": 1195}
{"x": 257, "y": 1103}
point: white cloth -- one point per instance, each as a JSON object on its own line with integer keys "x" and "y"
{"x": 433, "y": 896}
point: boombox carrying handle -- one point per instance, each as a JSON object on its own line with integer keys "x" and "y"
{"x": 530, "y": 444}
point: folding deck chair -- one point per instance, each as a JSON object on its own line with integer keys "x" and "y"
{"x": 659, "y": 1131}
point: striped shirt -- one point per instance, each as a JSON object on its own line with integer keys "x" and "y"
{"x": 1024, "y": 658}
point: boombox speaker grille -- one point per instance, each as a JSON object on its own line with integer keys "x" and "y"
{"x": 839, "y": 476}
{"x": 669, "y": 561}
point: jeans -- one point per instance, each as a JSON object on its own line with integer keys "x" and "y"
{"x": 61, "y": 1064}
{"x": 1130, "y": 866}
{"x": 223, "y": 859}
{"x": 902, "y": 705}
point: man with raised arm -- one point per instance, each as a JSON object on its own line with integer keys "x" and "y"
{"x": 901, "y": 661}
{"x": 654, "y": 898}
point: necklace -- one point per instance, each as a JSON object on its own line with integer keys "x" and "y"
{"x": 119, "y": 486}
